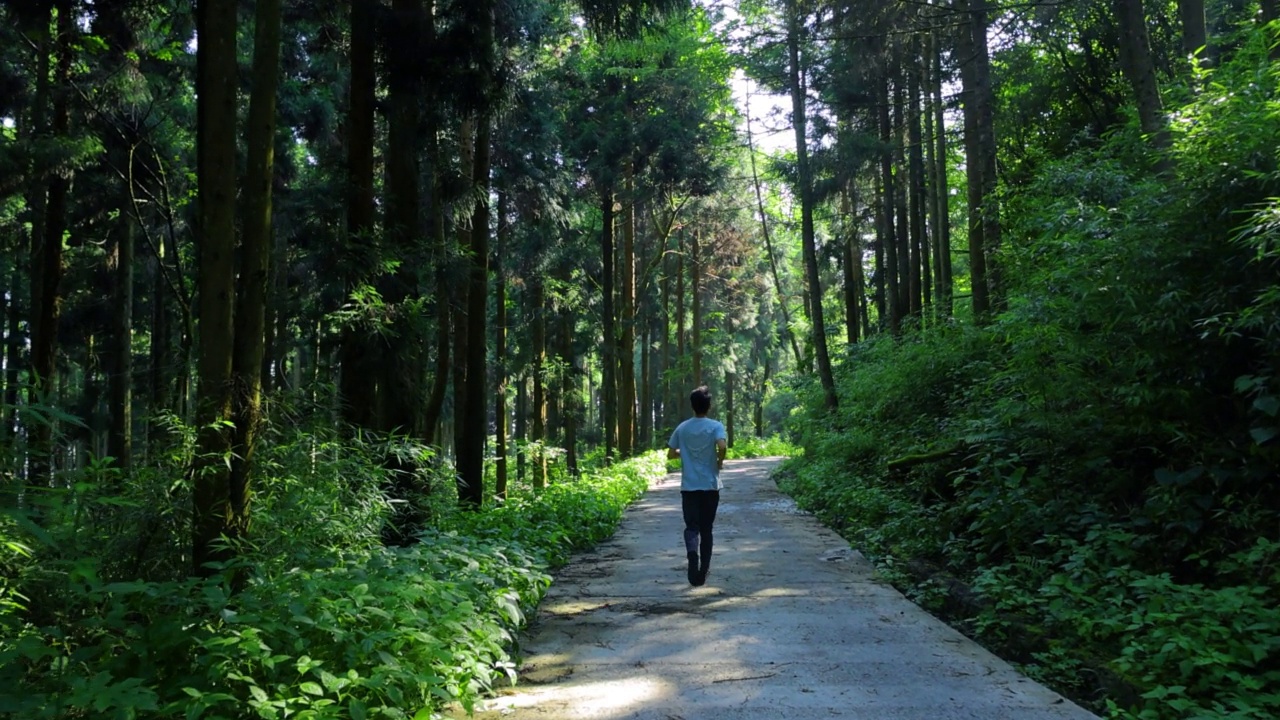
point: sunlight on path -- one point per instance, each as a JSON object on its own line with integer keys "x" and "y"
{"x": 791, "y": 624}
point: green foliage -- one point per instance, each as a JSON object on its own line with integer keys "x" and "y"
{"x": 1098, "y": 463}
{"x": 754, "y": 447}
{"x": 330, "y": 624}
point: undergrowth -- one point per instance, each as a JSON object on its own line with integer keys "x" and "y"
{"x": 331, "y": 623}
{"x": 1087, "y": 483}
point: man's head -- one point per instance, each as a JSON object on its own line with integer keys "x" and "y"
{"x": 700, "y": 399}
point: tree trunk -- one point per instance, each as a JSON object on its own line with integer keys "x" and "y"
{"x": 668, "y": 417}
{"x": 627, "y": 336}
{"x": 806, "y": 207}
{"x": 47, "y": 261}
{"x": 13, "y": 346}
{"x": 216, "y": 86}
{"x": 255, "y": 260}
{"x": 921, "y": 296}
{"x": 1194, "y": 33}
{"x": 522, "y": 426}
{"x": 644, "y": 424}
{"x": 356, "y": 385}
{"x": 941, "y": 195}
{"x": 570, "y": 391}
{"x": 398, "y": 390}
{"x": 971, "y": 58}
{"x": 887, "y": 250}
{"x": 473, "y": 429}
{"x": 609, "y": 363}
{"x": 538, "y": 349}
{"x": 989, "y": 203}
{"x": 500, "y": 351}
{"x": 901, "y": 184}
{"x": 440, "y": 247}
{"x": 1138, "y": 66}
{"x": 161, "y": 351}
{"x": 120, "y": 381}
{"x": 852, "y": 264}
{"x": 880, "y": 271}
{"x": 695, "y": 297}
{"x": 729, "y": 388}
{"x": 458, "y": 291}
{"x": 681, "y": 360}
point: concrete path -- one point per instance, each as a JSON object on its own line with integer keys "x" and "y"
{"x": 791, "y": 625}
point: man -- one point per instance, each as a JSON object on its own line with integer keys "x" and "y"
{"x": 700, "y": 444}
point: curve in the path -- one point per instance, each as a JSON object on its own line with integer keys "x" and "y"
{"x": 790, "y": 625}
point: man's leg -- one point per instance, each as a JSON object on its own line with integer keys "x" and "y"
{"x": 710, "y": 502}
{"x": 690, "y": 507}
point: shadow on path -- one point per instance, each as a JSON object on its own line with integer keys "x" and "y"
{"x": 790, "y": 625}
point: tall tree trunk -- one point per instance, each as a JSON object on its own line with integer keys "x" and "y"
{"x": 668, "y": 417}
{"x": 7, "y": 413}
{"x": 644, "y": 425}
{"x": 990, "y": 204}
{"x": 887, "y": 250}
{"x": 538, "y": 349}
{"x": 922, "y": 297}
{"x": 880, "y": 271}
{"x": 1139, "y": 68}
{"x": 522, "y": 426}
{"x": 901, "y": 185}
{"x": 609, "y": 361}
{"x": 439, "y": 245}
{"x": 255, "y": 260}
{"x": 500, "y": 350}
{"x": 571, "y": 389}
{"x": 941, "y": 229}
{"x": 357, "y": 386}
{"x": 1194, "y": 33}
{"x": 161, "y": 351}
{"x": 458, "y": 290}
{"x": 47, "y": 255}
{"x": 627, "y": 334}
{"x": 681, "y": 360}
{"x": 120, "y": 381}
{"x": 695, "y": 298}
{"x": 852, "y": 258}
{"x": 472, "y": 432}
{"x": 798, "y": 118}
{"x": 14, "y": 342}
{"x": 216, "y": 85}
{"x": 973, "y": 58}
{"x": 398, "y": 386}
{"x": 729, "y": 387}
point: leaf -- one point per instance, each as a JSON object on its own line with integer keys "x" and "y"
{"x": 1268, "y": 404}
{"x": 258, "y": 693}
{"x": 311, "y": 688}
{"x": 1262, "y": 434}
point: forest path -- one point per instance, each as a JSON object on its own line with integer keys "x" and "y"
{"x": 791, "y": 624}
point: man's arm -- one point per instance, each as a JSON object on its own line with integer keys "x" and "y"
{"x": 722, "y": 447}
{"x": 673, "y": 454}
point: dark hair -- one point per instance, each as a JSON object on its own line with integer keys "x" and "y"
{"x": 700, "y": 399}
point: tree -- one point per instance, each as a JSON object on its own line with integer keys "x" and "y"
{"x": 215, "y": 511}
{"x": 798, "y": 120}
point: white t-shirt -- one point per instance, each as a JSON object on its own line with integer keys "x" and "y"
{"x": 696, "y": 438}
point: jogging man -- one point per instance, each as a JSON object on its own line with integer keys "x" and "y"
{"x": 700, "y": 444}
